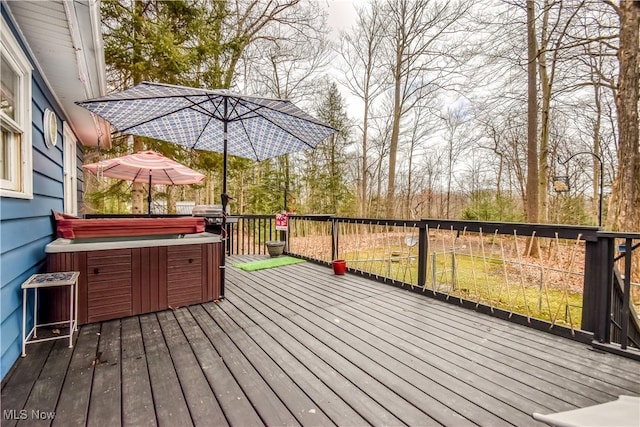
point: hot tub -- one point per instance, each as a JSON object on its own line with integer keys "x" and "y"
{"x": 126, "y": 276}
{"x": 73, "y": 228}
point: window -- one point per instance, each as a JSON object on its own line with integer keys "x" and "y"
{"x": 15, "y": 118}
{"x": 70, "y": 171}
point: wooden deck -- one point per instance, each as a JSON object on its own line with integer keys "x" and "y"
{"x": 297, "y": 345}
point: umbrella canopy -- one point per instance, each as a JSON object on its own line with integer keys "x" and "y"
{"x": 146, "y": 166}
{"x": 257, "y": 128}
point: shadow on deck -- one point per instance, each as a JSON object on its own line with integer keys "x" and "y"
{"x": 297, "y": 345}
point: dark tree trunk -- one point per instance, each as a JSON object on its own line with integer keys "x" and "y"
{"x": 624, "y": 214}
{"x": 533, "y": 178}
{"x": 532, "y": 119}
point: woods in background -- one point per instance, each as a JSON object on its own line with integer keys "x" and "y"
{"x": 429, "y": 98}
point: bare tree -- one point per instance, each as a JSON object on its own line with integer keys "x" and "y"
{"x": 420, "y": 129}
{"x": 624, "y": 214}
{"x": 554, "y": 31}
{"x": 379, "y": 151}
{"x": 361, "y": 50}
{"x": 229, "y": 28}
{"x": 417, "y": 30}
{"x": 532, "y": 117}
{"x": 432, "y": 170}
{"x": 456, "y": 143}
{"x": 287, "y": 65}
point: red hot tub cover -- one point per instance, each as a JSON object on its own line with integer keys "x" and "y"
{"x": 73, "y": 228}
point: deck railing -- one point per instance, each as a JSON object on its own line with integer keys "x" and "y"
{"x": 573, "y": 281}
{"x": 530, "y": 274}
{"x": 247, "y": 234}
{"x": 550, "y": 277}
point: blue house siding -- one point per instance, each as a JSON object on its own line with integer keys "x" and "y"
{"x": 25, "y": 225}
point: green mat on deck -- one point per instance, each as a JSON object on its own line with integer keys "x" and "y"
{"x": 268, "y": 263}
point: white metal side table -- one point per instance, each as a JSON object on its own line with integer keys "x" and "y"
{"x": 49, "y": 280}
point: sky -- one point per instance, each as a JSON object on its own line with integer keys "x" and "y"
{"x": 341, "y": 15}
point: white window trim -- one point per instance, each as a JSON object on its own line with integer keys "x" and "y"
{"x": 15, "y": 56}
{"x": 70, "y": 182}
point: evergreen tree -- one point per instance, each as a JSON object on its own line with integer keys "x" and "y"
{"x": 195, "y": 43}
{"x": 147, "y": 40}
{"x": 327, "y": 186}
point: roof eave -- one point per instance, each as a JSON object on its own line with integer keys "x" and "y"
{"x": 81, "y": 26}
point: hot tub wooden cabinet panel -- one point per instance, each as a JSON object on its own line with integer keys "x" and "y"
{"x": 185, "y": 275}
{"x": 116, "y": 283}
{"x": 149, "y": 279}
{"x": 109, "y": 287}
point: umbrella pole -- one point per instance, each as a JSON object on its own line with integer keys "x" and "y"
{"x": 225, "y": 200}
{"x": 149, "y": 197}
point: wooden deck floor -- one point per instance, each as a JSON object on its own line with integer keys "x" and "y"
{"x": 296, "y": 345}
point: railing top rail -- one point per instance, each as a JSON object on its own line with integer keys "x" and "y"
{"x": 588, "y": 233}
{"x": 251, "y": 216}
{"x": 376, "y": 221}
{"x": 314, "y": 217}
{"x": 619, "y": 234}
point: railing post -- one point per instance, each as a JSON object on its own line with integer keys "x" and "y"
{"x": 598, "y": 286}
{"x": 334, "y": 239}
{"x": 229, "y": 238}
{"x": 423, "y": 250}
{"x": 284, "y": 236}
{"x": 624, "y": 322}
{"x": 243, "y": 228}
{"x": 590, "y": 295}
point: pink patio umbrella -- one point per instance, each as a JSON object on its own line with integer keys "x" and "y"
{"x": 146, "y": 166}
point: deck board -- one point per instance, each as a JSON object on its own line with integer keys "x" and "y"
{"x": 296, "y": 401}
{"x": 137, "y": 400}
{"x": 387, "y": 374}
{"x": 203, "y": 406}
{"x": 105, "y": 406}
{"x": 545, "y": 345}
{"x": 258, "y": 391}
{"x": 507, "y": 355}
{"x": 476, "y": 345}
{"x": 439, "y": 400}
{"x": 73, "y": 405}
{"x": 19, "y": 383}
{"x": 297, "y": 345}
{"x": 549, "y": 368}
{"x": 45, "y": 393}
{"x": 327, "y": 400}
{"x": 449, "y": 389}
{"x": 367, "y": 408}
{"x": 231, "y": 398}
{"x": 168, "y": 399}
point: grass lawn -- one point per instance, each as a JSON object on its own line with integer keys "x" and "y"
{"x": 493, "y": 283}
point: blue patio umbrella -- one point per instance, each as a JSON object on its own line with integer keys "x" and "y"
{"x": 213, "y": 120}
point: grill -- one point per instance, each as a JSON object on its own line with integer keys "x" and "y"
{"x": 212, "y": 215}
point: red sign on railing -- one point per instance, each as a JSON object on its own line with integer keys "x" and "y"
{"x": 282, "y": 221}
